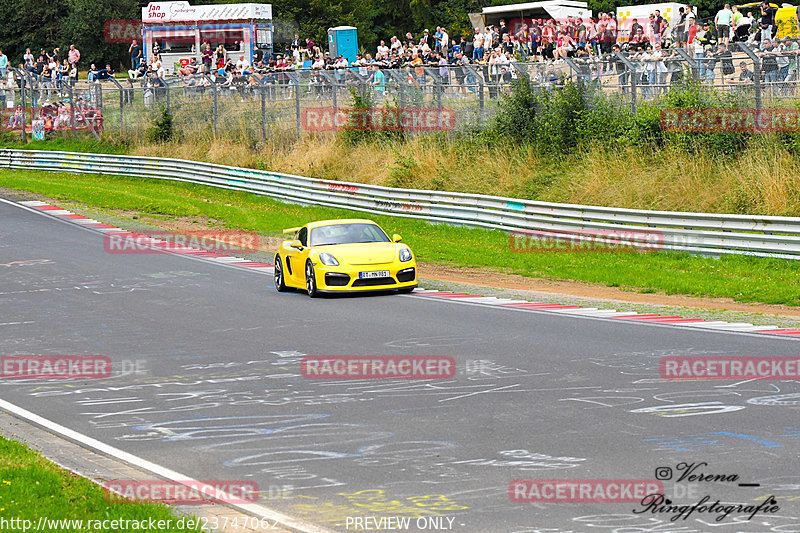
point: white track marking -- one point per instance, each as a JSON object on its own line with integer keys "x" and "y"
{"x": 251, "y": 508}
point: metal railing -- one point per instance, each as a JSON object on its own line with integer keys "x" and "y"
{"x": 702, "y": 233}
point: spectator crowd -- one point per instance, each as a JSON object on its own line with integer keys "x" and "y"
{"x": 655, "y": 49}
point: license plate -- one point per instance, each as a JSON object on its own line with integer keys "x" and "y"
{"x": 374, "y": 274}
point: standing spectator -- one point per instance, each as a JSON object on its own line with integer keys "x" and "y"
{"x": 3, "y": 65}
{"x": 680, "y": 27}
{"x": 28, "y": 58}
{"x": 73, "y": 75}
{"x": 769, "y": 63}
{"x": 136, "y": 54}
{"x": 723, "y": 21}
{"x": 767, "y": 21}
{"x": 502, "y": 31}
{"x": 477, "y": 46}
{"x": 726, "y": 58}
{"x": 63, "y": 75}
{"x": 691, "y": 33}
{"x": 73, "y": 55}
{"x": 661, "y": 26}
{"x": 208, "y": 58}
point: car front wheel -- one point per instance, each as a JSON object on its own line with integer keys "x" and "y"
{"x": 311, "y": 281}
{"x": 280, "y": 283}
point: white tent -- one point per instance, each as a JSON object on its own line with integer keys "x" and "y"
{"x": 557, "y": 9}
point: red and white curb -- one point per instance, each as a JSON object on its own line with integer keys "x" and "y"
{"x": 594, "y": 312}
{"x": 164, "y": 246}
{"x": 630, "y": 316}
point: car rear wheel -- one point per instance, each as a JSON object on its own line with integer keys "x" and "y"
{"x": 280, "y": 283}
{"x": 311, "y": 281}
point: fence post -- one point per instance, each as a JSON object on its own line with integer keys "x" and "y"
{"x": 296, "y": 79}
{"x": 23, "y": 76}
{"x": 213, "y": 88}
{"x": 121, "y": 105}
{"x": 481, "y": 97}
{"x": 263, "y": 92}
{"x": 68, "y": 87}
{"x": 632, "y": 68}
{"x": 689, "y": 59}
{"x": 756, "y": 72}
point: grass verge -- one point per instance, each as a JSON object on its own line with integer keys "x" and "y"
{"x": 743, "y": 279}
{"x": 33, "y": 488}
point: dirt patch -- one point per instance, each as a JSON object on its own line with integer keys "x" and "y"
{"x": 491, "y": 278}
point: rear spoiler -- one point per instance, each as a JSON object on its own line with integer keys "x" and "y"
{"x": 292, "y": 230}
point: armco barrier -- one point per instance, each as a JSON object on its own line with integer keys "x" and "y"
{"x": 702, "y": 233}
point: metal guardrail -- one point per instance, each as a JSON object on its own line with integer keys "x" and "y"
{"x": 702, "y": 233}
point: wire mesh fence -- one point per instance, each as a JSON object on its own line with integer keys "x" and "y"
{"x": 263, "y": 105}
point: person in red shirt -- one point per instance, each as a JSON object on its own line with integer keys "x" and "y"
{"x": 691, "y": 33}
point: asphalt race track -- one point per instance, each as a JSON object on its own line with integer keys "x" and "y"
{"x": 208, "y": 383}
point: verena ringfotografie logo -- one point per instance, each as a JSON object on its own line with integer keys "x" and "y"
{"x": 730, "y": 120}
{"x": 585, "y": 240}
{"x": 154, "y": 242}
{"x": 582, "y": 490}
{"x": 729, "y": 367}
{"x": 378, "y": 367}
{"x": 55, "y": 367}
{"x": 378, "y": 119}
{"x": 183, "y": 492}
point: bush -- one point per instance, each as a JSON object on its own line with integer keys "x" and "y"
{"x": 163, "y": 129}
{"x": 559, "y": 120}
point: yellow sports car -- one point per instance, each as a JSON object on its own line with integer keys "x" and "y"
{"x": 342, "y": 256}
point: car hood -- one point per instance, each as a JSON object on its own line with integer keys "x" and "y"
{"x": 365, "y": 253}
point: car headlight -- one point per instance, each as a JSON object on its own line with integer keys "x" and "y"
{"x": 405, "y": 254}
{"x": 328, "y": 259}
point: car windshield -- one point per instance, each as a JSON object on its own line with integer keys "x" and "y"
{"x": 346, "y": 234}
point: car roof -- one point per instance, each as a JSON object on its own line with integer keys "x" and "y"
{"x": 312, "y": 225}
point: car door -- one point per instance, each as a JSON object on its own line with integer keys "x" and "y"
{"x": 296, "y": 259}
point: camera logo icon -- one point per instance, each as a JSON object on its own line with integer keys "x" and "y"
{"x": 663, "y": 473}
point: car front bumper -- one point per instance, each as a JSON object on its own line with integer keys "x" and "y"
{"x": 346, "y": 279}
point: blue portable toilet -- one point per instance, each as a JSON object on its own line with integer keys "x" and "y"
{"x": 342, "y": 40}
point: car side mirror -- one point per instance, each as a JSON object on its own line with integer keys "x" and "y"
{"x": 396, "y": 238}
{"x": 296, "y": 244}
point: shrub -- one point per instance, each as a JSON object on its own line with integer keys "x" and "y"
{"x": 163, "y": 129}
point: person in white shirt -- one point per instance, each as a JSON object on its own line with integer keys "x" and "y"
{"x": 242, "y": 65}
{"x": 383, "y": 49}
{"x": 445, "y": 41}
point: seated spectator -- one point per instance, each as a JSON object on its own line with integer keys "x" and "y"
{"x": 191, "y": 68}
{"x": 16, "y": 120}
{"x": 243, "y": 66}
{"x": 139, "y": 72}
{"x": 105, "y": 73}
